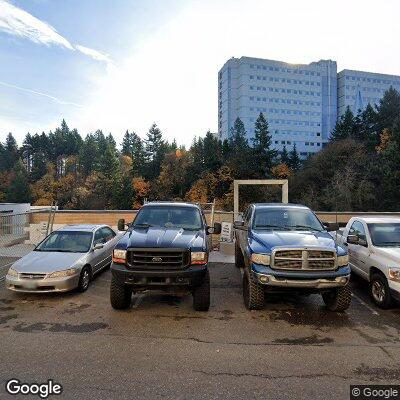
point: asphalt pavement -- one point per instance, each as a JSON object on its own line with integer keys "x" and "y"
{"x": 162, "y": 349}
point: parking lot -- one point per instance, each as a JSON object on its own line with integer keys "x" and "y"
{"x": 161, "y": 348}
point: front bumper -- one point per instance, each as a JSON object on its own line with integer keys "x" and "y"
{"x": 317, "y": 280}
{"x": 191, "y": 276}
{"x": 45, "y": 285}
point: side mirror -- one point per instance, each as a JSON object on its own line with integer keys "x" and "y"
{"x": 352, "y": 239}
{"x": 362, "y": 242}
{"x": 331, "y": 226}
{"x": 238, "y": 224}
{"x": 98, "y": 246}
{"x": 121, "y": 224}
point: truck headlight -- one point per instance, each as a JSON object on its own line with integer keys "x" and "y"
{"x": 119, "y": 256}
{"x": 64, "y": 273}
{"x": 12, "y": 272}
{"x": 394, "y": 274}
{"x": 263, "y": 259}
{"x": 343, "y": 260}
{"x": 198, "y": 257}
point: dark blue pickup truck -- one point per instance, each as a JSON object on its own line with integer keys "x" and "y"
{"x": 285, "y": 248}
{"x": 165, "y": 248}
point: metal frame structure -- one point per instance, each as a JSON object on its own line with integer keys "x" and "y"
{"x": 237, "y": 182}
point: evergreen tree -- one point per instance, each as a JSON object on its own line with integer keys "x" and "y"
{"x": 345, "y": 127}
{"x": 240, "y": 155}
{"x": 365, "y": 127}
{"x": 388, "y": 109}
{"x": 263, "y": 155}
{"x": 138, "y": 156}
{"x": 294, "y": 159}
{"x": 284, "y": 156}
{"x": 18, "y": 190}
{"x": 88, "y": 155}
{"x": 127, "y": 144}
{"x": 155, "y": 152}
{"x": 212, "y": 152}
{"x": 237, "y": 138}
{"x": 10, "y": 153}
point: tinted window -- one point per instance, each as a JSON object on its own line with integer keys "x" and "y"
{"x": 169, "y": 217}
{"x": 358, "y": 229}
{"x": 98, "y": 237}
{"x": 286, "y": 219}
{"x": 385, "y": 234}
{"x": 107, "y": 233}
{"x": 71, "y": 242}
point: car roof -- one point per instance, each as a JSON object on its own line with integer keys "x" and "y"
{"x": 378, "y": 219}
{"x": 82, "y": 227}
{"x": 279, "y": 205}
{"x": 171, "y": 203}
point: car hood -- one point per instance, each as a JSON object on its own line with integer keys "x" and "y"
{"x": 393, "y": 253}
{"x": 163, "y": 238}
{"x": 266, "y": 241}
{"x": 46, "y": 261}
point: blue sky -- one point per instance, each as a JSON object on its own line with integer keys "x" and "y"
{"x": 124, "y": 64}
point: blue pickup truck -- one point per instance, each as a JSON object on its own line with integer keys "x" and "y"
{"x": 165, "y": 248}
{"x": 286, "y": 248}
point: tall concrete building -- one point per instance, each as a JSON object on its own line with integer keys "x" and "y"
{"x": 301, "y": 102}
{"x": 357, "y": 88}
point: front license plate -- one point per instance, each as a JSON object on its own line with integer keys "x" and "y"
{"x": 30, "y": 285}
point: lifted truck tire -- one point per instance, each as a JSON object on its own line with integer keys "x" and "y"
{"x": 380, "y": 291}
{"x": 201, "y": 294}
{"x": 120, "y": 295}
{"x": 338, "y": 299}
{"x": 239, "y": 259}
{"x": 253, "y": 293}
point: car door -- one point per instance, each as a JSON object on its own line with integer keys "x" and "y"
{"x": 109, "y": 238}
{"x": 98, "y": 255}
{"x": 245, "y": 231}
{"x": 359, "y": 254}
{"x": 241, "y": 231}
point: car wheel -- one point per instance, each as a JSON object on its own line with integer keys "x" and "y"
{"x": 201, "y": 294}
{"x": 239, "y": 259}
{"x": 120, "y": 295}
{"x": 253, "y": 293}
{"x": 380, "y": 291}
{"x": 338, "y": 299}
{"x": 84, "y": 279}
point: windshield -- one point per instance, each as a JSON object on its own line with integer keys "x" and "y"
{"x": 385, "y": 234}
{"x": 70, "y": 242}
{"x": 286, "y": 219}
{"x": 169, "y": 217}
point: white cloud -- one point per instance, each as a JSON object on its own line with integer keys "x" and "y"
{"x": 17, "y": 22}
{"x": 96, "y": 55}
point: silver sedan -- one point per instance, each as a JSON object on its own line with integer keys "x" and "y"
{"x": 67, "y": 259}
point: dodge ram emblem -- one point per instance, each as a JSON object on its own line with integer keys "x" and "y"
{"x": 156, "y": 259}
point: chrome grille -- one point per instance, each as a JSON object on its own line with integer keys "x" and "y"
{"x": 25, "y": 275}
{"x": 288, "y": 253}
{"x": 288, "y": 264}
{"x": 303, "y": 259}
{"x": 157, "y": 259}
